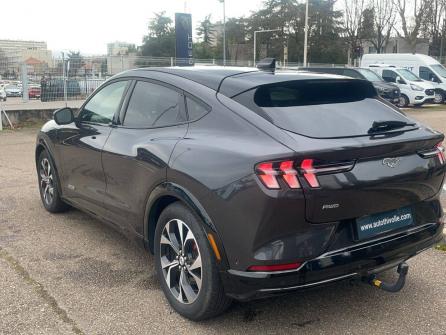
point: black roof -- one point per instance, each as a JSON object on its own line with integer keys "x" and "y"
{"x": 231, "y": 81}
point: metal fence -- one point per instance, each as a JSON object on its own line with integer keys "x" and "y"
{"x": 76, "y": 77}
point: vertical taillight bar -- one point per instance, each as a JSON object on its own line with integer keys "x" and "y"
{"x": 440, "y": 153}
{"x": 309, "y": 172}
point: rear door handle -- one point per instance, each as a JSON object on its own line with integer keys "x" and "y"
{"x": 93, "y": 137}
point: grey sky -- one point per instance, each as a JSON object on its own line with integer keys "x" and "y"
{"x": 87, "y": 25}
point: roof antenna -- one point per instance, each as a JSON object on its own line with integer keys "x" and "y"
{"x": 267, "y": 64}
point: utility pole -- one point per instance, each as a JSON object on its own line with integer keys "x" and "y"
{"x": 224, "y": 32}
{"x": 255, "y": 41}
{"x": 306, "y": 34}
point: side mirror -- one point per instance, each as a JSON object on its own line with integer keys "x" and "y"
{"x": 399, "y": 80}
{"x": 63, "y": 116}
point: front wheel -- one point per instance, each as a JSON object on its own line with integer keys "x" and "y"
{"x": 186, "y": 265}
{"x": 403, "y": 102}
{"x": 439, "y": 98}
{"x": 49, "y": 185}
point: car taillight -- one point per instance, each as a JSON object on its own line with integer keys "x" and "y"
{"x": 275, "y": 267}
{"x": 440, "y": 154}
{"x": 309, "y": 172}
{"x": 289, "y": 174}
{"x": 438, "y": 151}
{"x": 268, "y": 175}
{"x": 269, "y": 172}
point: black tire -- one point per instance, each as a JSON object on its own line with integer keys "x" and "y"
{"x": 404, "y": 101}
{"x": 439, "y": 98}
{"x": 210, "y": 300}
{"x": 52, "y": 202}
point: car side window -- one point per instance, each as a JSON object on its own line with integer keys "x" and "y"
{"x": 352, "y": 74}
{"x": 196, "y": 109}
{"x": 153, "y": 105}
{"x": 389, "y": 76}
{"x": 103, "y": 105}
{"x": 427, "y": 74}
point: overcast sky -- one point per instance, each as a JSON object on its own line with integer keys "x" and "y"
{"x": 87, "y": 25}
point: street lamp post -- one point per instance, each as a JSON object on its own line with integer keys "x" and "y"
{"x": 224, "y": 31}
{"x": 255, "y": 40}
{"x": 306, "y": 34}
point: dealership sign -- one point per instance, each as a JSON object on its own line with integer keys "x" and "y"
{"x": 183, "y": 32}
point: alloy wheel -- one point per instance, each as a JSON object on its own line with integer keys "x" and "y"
{"x": 181, "y": 261}
{"x": 438, "y": 99}
{"x": 402, "y": 102}
{"x": 46, "y": 181}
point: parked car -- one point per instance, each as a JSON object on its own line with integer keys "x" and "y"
{"x": 53, "y": 89}
{"x": 425, "y": 67}
{"x": 13, "y": 91}
{"x": 389, "y": 92}
{"x": 414, "y": 90}
{"x": 34, "y": 92}
{"x": 248, "y": 183}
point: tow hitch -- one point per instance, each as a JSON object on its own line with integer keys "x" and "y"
{"x": 402, "y": 269}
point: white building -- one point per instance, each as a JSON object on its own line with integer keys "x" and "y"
{"x": 119, "y": 48}
{"x": 13, "y": 53}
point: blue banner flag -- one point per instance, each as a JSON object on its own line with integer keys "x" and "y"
{"x": 183, "y": 32}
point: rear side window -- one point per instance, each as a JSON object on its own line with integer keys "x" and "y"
{"x": 153, "y": 105}
{"x": 196, "y": 109}
{"x": 320, "y": 109}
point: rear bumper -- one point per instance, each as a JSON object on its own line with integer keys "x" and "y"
{"x": 353, "y": 262}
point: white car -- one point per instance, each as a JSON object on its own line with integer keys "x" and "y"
{"x": 425, "y": 67}
{"x": 414, "y": 90}
{"x": 13, "y": 91}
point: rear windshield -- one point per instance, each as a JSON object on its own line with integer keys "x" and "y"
{"x": 320, "y": 108}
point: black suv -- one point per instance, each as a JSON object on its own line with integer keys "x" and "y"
{"x": 247, "y": 183}
{"x": 387, "y": 91}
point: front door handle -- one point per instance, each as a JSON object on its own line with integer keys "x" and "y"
{"x": 93, "y": 137}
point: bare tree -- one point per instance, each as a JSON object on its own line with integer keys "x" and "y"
{"x": 411, "y": 25}
{"x": 434, "y": 25}
{"x": 383, "y": 20}
{"x": 353, "y": 17}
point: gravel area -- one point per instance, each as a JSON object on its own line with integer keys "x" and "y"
{"x": 69, "y": 273}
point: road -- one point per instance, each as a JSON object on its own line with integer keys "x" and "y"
{"x": 71, "y": 274}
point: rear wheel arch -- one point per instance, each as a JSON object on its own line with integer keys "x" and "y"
{"x": 164, "y": 195}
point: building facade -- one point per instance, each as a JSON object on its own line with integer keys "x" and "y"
{"x": 119, "y": 48}
{"x": 14, "y": 53}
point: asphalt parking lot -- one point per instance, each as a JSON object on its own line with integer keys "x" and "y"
{"x": 69, "y": 273}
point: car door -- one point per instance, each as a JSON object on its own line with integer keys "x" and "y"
{"x": 136, "y": 154}
{"x": 81, "y": 142}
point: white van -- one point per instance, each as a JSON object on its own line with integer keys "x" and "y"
{"x": 425, "y": 67}
{"x": 414, "y": 91}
